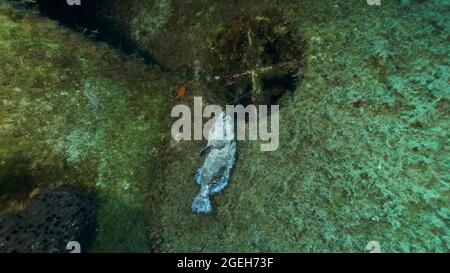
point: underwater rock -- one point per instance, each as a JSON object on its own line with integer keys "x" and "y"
{"x": 353, "y": 165}
{"x": 214, "y": 174}
{"x": 164, "y": 27}
{"x": 362, "y": 152}
{"x": 240, "y": 52}
{"x": 49, "y": 223}
{"x": 257, "y": 58}
{"x": 65, "y": 102}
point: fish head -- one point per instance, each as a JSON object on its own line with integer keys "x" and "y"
{"x": 222, "y": 128}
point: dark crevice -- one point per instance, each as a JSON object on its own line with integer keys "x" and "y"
{"x": 274, "y": 88}
{"x": 258, "y": 61}
{"x": 86, "y": 19}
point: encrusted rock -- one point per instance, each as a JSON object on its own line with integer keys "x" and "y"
{"x": 50, "y": 222}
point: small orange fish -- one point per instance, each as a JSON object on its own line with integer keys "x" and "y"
{"x": 182, "y": 91}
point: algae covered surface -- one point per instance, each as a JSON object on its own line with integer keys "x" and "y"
{"x": 79, "y": 113}
{"x": 364, "y": 132}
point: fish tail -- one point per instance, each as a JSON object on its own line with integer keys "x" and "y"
{"x": 201, "y": 204}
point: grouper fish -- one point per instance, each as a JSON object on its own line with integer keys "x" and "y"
{"x": 214, "y": 175}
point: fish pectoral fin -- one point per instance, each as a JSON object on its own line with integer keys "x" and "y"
{"x": 205, "y": 151}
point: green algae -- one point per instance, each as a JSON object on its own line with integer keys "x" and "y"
{"x": 363, "y": 141}
{"x": 362, "y": 152}
{"x": 77, "y": 112}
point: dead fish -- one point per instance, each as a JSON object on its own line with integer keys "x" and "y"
{"x": 214, "y": 175}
